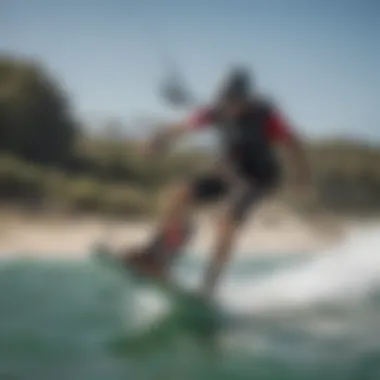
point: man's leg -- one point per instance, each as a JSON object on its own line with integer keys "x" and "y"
{"x": 241, "y": 202}
{"x": 174, "y": 230}
{"x": 174, "y": 226}
{"x": 153, "y": 258}
{"x": 225, "y": 236}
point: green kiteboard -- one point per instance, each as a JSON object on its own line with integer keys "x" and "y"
{"x": 190, "y": 312}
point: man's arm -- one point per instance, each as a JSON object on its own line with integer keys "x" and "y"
{"x": 167, "y": 136}
{"x": 171, "y": 133}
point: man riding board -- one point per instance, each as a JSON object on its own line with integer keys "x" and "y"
{"x": 249, "y": 127}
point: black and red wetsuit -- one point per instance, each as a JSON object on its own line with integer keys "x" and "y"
{"x": 249, "y": 154}
{"x": 247, "y": 144}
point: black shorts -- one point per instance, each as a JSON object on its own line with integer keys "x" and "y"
{"x": 241, "y": 197}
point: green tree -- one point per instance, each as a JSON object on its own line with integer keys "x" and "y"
{"x": 35, "y": 119}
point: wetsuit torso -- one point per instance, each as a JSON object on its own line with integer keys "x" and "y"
{"x": 247, "y": 140}
{"x": 246, "y": 145}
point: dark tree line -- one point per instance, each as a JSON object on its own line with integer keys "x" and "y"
{"x": 35, "y": 119}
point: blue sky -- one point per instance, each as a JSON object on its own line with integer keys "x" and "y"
{"x": 319, "y": 59}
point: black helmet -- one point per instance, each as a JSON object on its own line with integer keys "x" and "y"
{"x": 236, "y": 86}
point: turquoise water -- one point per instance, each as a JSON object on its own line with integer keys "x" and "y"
{"x": 86, "y": 320}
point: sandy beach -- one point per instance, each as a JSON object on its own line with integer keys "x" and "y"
{"x": 271, "y": 231}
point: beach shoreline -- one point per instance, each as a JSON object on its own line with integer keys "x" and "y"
{"x": 62, "y": 236}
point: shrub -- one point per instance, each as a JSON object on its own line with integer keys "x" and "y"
{"x": 83, "y": 194}
{"x": 127, "y": 201}
{"x": 20, "y": 180}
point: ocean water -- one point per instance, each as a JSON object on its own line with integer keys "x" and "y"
{"x": 306, "y": 317}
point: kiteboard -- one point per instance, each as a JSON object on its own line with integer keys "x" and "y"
{"x": 190, "y": 310}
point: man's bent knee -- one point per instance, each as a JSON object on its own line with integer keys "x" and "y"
{"x": 177, "y": 199}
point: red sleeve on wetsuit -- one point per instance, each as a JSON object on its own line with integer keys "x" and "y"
{"x": 278, "y": 129}
{"x": 201, "y": 119}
